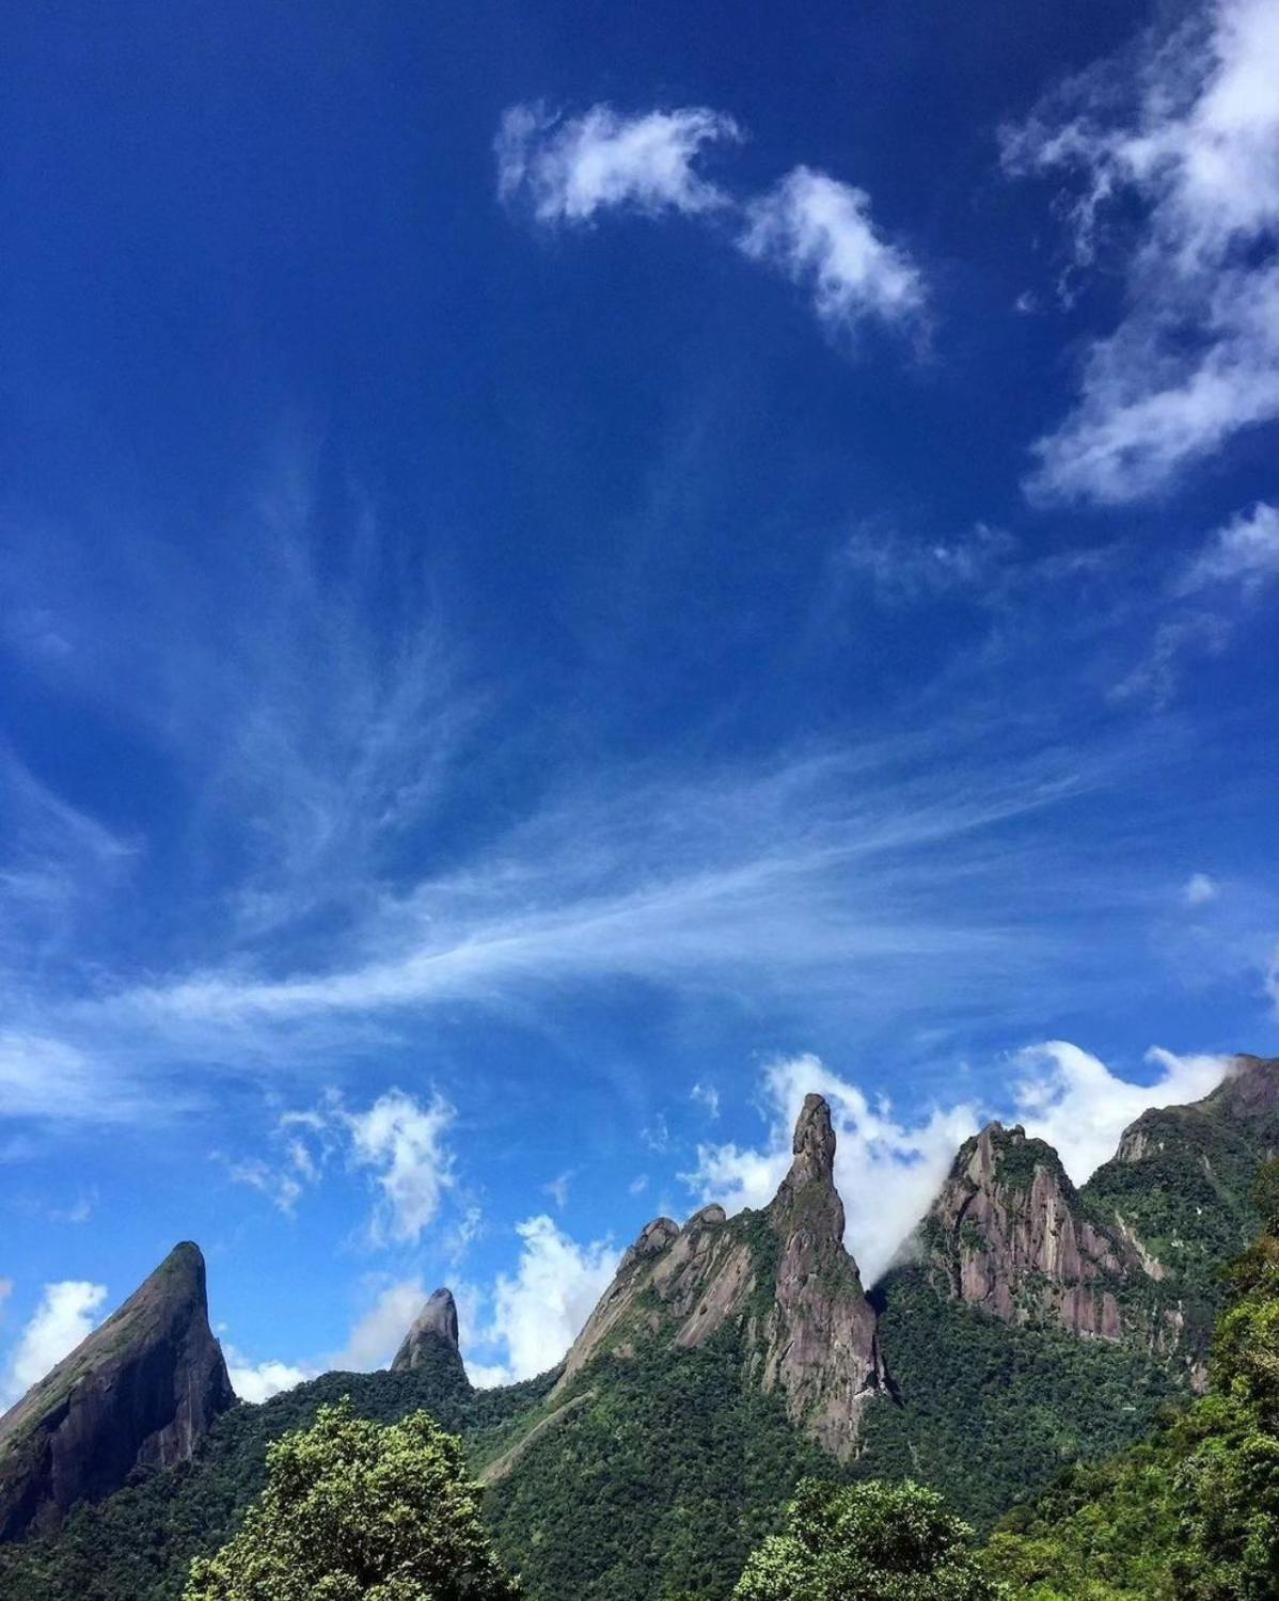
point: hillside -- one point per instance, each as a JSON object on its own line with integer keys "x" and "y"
{"x": 1192, "y": 1513}
{"x": 1029, "y": 1326}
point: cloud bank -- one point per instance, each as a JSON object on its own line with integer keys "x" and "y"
{"x": 1073, "y": 1100}
{"x": 538, "y": 1310}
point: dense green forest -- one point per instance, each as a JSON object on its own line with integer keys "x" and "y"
{"x": 990, "y": 1414}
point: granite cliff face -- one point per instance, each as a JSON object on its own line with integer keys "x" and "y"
{"x": 435, "y": 1327}
{"x": 1010, "y": 1234}
{"x": 781, "y": 1277}
{"x": 138, "y": 1393}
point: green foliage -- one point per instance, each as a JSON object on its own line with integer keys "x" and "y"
{"x": 1194, "y": 1514}
{"x": 988, "y": 1414}
{"x": 867, "y": 1542}
{"x": 657, "y": 1482}
{"x": 359, "y": 1511}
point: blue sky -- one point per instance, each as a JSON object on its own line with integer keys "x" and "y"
{"x": 566, "y": 576}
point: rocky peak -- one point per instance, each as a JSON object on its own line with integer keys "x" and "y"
{"x": 1010, "y": 1234}
{"x": 809, "y": 1186}
{"x": 781, "y": 1278}
{"x": 813, "y": 1145}
{"x": 1247, "y": 1099}
{"x": 1250, "y": 1091}
{"x": 654, "y": 1238}
{"x": 434, "y": 1325}
{"x": 139, "y": 1392}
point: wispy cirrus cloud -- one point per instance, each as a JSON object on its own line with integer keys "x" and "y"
{"x": 1209, "y": 599}
{"x": 845, "y": 863}
{"x": 1188, "y": 129}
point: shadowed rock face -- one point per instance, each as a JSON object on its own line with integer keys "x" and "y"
{"x": 138, "y": 1393}
{"x": 781, "y": 1276}
{"x": 435, "y": 1323}
{"x": 1010, "y": 1232}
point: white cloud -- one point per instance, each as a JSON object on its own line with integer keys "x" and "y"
{"x": 1199, "y": 889}
{"x": 569, "y": 169}
{"x": 818, "y": 231}
{"x": 1244, "y": 552}
{"x": 1196, "y": 355}
{"x": 6, "y": 1290}
{"x": 558, "y": 1188}
{"x": 259, "y": 1381}
{"x": 707, "y": 1097}
{"x": 886, "y": 1172}
{"x": 403, "y": 1142}
{"x": 638, "y": 1184}
{"x": 380, "y": 1329}
{"x": 63, "y": 1318}
{"x": 539, "y": 1310}
{"x": 1074, "y": 1101}
{"x": 1176, "y": 641}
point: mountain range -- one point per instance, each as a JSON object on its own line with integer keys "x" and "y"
{"x": 1025, "y": 1325}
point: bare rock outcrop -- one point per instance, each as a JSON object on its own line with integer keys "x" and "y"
{"x": 139, "y": 1392}
{"x": 781, "y": 1277}
{"x": 1010, "y": 1233}
{"x": 434, "y": 1327}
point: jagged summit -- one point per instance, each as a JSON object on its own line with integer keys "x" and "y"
{"x": 139, "y": 1392}
{"x": 1010, "y": 1235}
{"x": 436, "y": 1323}
{"x": 780, "y": 1280}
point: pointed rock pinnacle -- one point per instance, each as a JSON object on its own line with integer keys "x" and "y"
{"x": 436, "y": 1321}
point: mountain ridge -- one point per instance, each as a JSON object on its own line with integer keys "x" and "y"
{"x": 732, "y": 1355}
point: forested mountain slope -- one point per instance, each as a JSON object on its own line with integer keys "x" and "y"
{"x": 1029, "y": 1326}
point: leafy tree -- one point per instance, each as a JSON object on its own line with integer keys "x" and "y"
{"x": 867, "y": 1542}
{"x": 357, "y": 1511}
